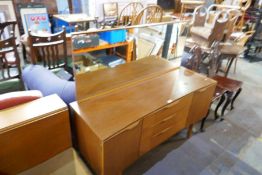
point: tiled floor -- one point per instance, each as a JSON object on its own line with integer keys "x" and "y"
{"x": 231, "y": 147}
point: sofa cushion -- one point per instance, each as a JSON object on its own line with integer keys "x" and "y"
{"x": 11, "y": 99}
{"x": 39, "y": 78}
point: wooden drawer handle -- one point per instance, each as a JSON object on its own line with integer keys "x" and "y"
{"x": 161, "y": 133}
{"x": 165, "y": 120}
{"x": 132, "y": 126}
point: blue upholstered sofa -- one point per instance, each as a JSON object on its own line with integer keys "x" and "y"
{"x": 37, "y": 77}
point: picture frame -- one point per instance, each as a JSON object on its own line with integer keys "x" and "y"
{"x": 30, "y": 10}
{"x": 38, "y": 23}
{"x": 7, "y": 8}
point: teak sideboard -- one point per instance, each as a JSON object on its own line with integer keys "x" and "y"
{"x": 138, "y": 110}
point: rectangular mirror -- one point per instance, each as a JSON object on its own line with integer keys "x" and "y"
{"x": 95, "y": 51}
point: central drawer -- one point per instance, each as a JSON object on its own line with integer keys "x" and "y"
{"x": 164, "y": 123}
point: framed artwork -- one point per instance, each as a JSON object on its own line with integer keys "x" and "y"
{"x": 38, "y": 23}
{"x": 30, "y": 10}
{"x": 8, "y": 13}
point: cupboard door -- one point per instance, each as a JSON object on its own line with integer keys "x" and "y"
{"x": 122, "y": 149}
{"x": 200, "y": 104}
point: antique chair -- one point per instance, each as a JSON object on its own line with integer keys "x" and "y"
{"x": 149, "y": 14}
{"x": 50, "y": 49}
{"x": 128, "y": 13}
{"x": 9, "y": 59}
{"x": 231, "y": 87}
{"x": 193, "y": 60}
{"x": 110, "y": 11}
{"x": 206, "y": 35}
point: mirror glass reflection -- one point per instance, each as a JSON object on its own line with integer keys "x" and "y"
{"x": 108, "y": 48}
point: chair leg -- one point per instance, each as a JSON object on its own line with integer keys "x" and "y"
{"x": 229, "y": 65}
{"x": 235, "y": 66}
{"x": 202, "y": 129}
{"x": 229, "y": 98}
{"x": 222, "y": 99}
{"x": 234, "y": 98}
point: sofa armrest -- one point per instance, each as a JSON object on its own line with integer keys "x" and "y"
{"x": 11, "y": 99}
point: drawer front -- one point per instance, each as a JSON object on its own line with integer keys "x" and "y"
{"x": 200, "y": 104}
{"x": 156, "y": 130}
{"x": 122, "y": 149}
{"x": 166, "y": 111}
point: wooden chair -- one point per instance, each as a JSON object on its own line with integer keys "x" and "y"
{"x": 7, "y": 29}
{"x": 232, "y": 50}
{"x": 9, "y": 59}
{"x": 149, "y": 14}
{"x": 48, "y": 49}
{"x": 231, "y": 87}
{"x": 128, "y": 13}
{"x": 194, "y": 62}
{"x": 206, "y": 35}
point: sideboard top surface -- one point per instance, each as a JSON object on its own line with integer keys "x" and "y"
{"x": 91, "y": 83}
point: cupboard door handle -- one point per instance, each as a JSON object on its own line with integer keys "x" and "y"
{"x": 132, "y": 126}
{"x": 161, "y": 133}
{"x": 172, "y": 104}
{"x": 202, "y": 90}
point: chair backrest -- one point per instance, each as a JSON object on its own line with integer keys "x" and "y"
{"x": 129, "y": 12}
{"x": 149, "y": 14}
{"x": 192, "y": 59}
{"x": 233, "y": 17}
{"x": 8, "y": 48}
{"x": 199, "y": 16}
{"x": 110, "y": 10}
{"x": 219, "y": 26}
{"x": 50, "y": 49}
{"x": 7, "y": 29}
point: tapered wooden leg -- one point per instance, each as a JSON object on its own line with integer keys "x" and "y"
{"x": 234, "y": 98}
{"x": 202, "y": 129}
{"x": 222, "y": 99}
{"x": 190, "y": 131}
